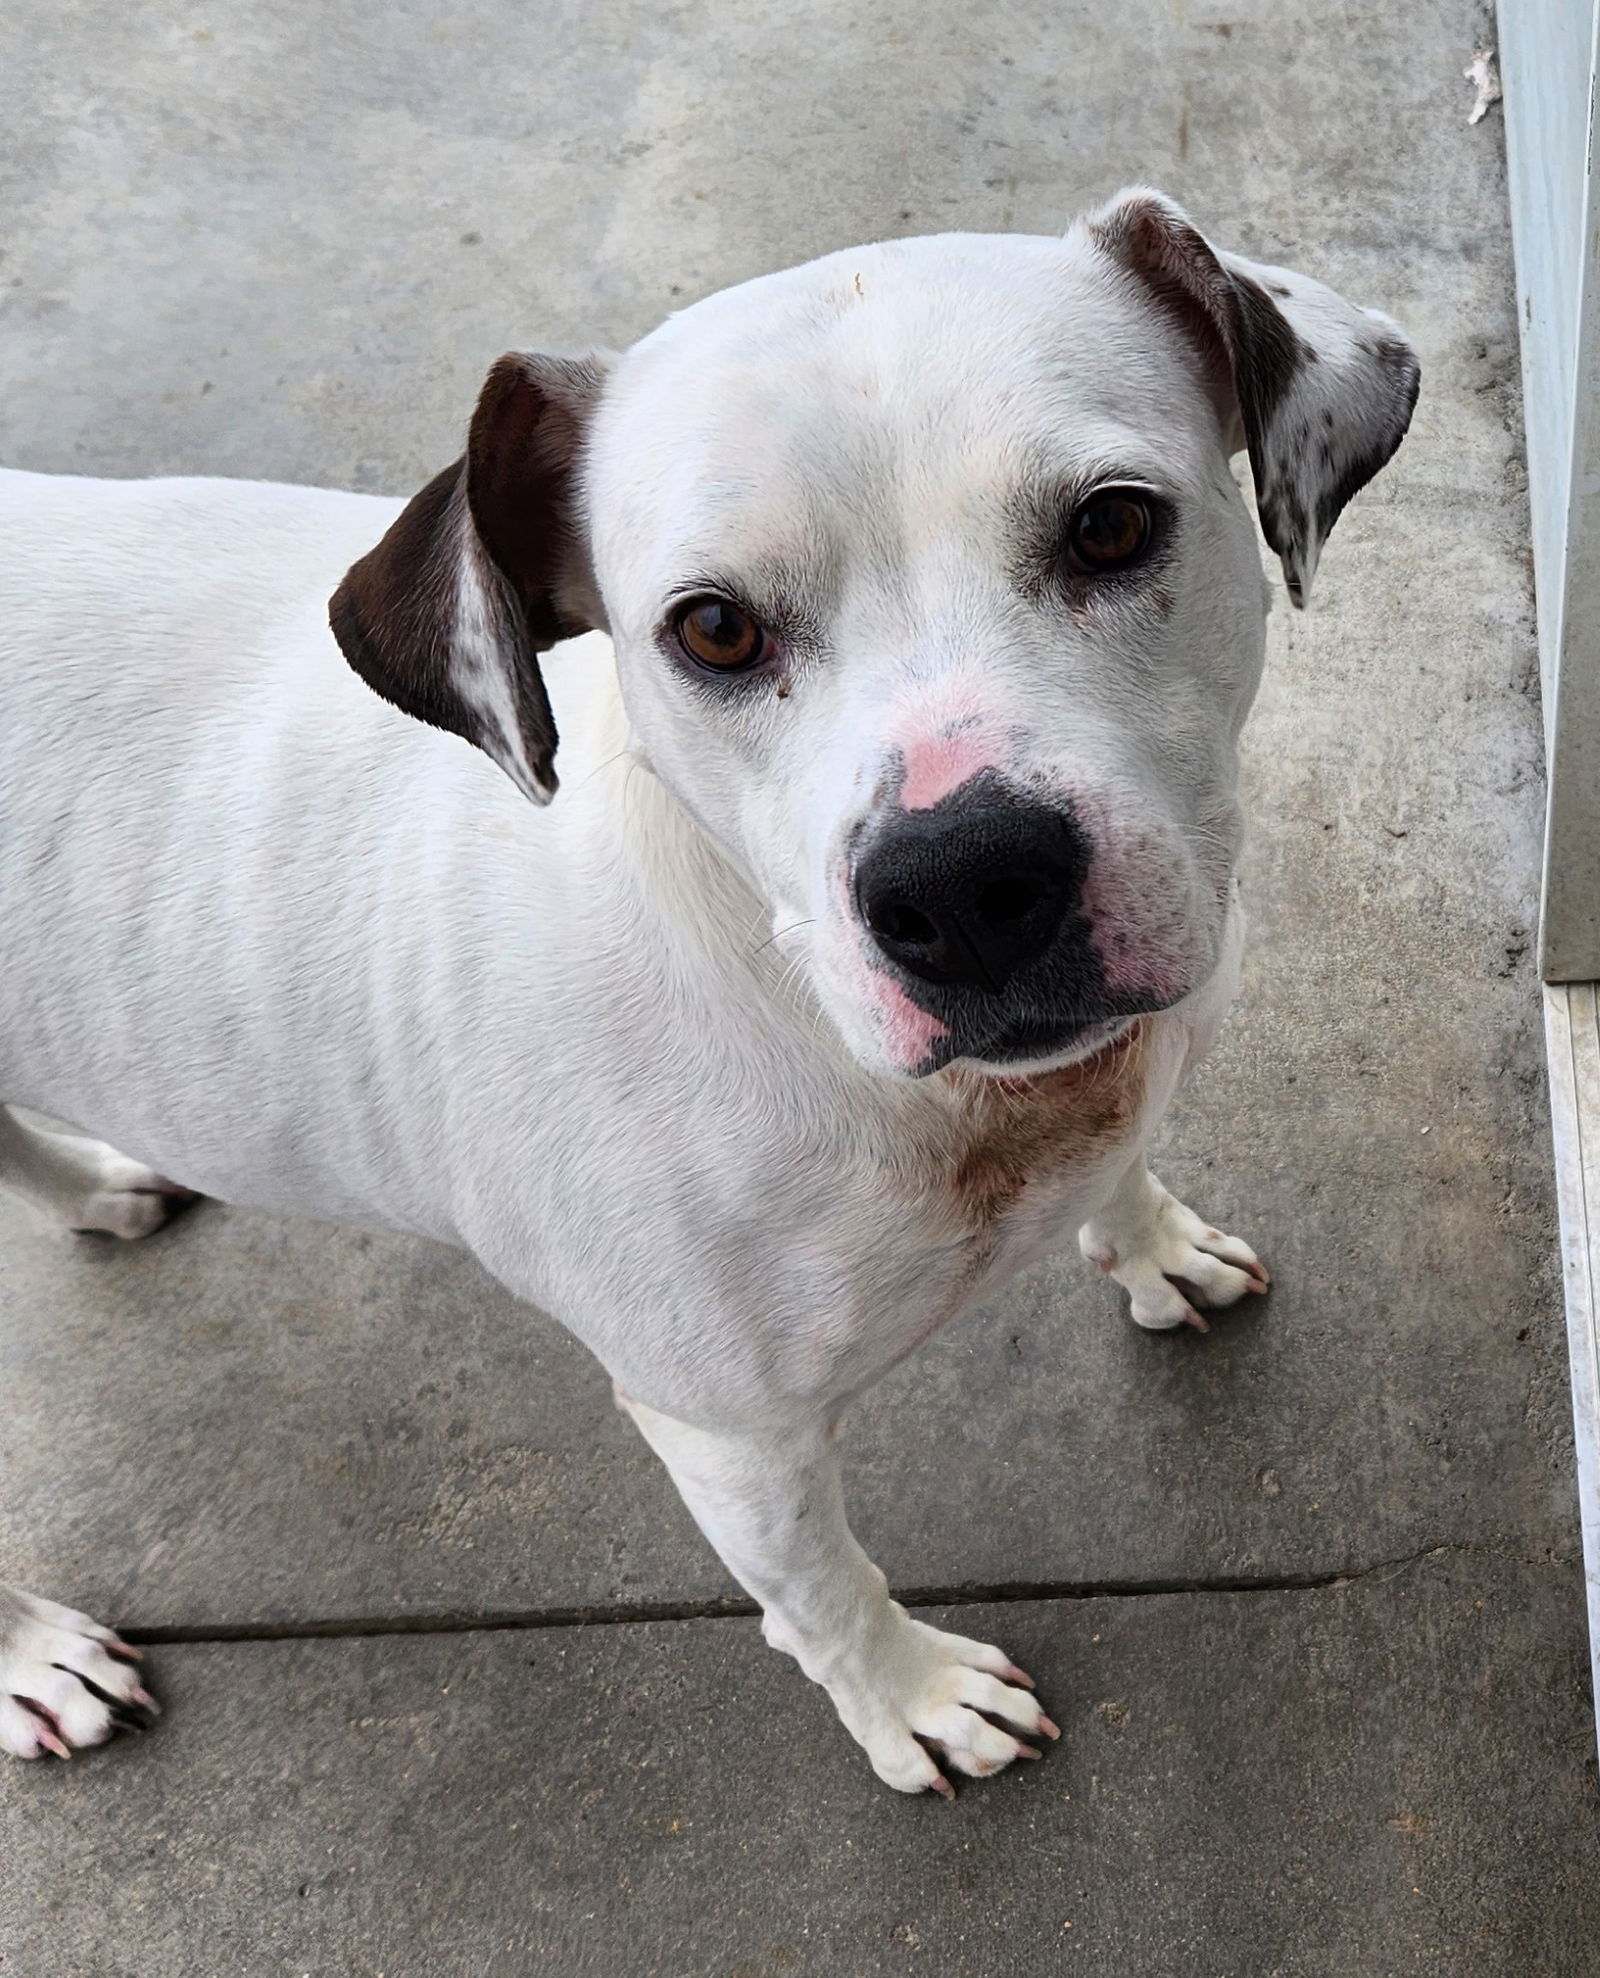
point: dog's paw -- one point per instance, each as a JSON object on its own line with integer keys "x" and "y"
{"x": 65, "y": 1682}
{"x": 96, "y": 1189}
{"x": 132, "y": 1201}
{"x": 924, "y": 1692}
{"x": 1170, "y": 1262}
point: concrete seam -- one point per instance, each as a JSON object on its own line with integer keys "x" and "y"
{"x": 732, "y": 1608}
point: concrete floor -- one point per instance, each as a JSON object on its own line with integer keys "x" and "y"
{"x": 286, "y": 242}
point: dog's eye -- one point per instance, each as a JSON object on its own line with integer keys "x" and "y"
{"x": 1107, "y": 533}
{"x": 719, "y": 634}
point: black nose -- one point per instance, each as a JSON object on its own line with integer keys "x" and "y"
{"x": 973, "y": 890}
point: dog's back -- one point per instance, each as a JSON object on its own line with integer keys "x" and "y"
{"x": 178, "y": 733}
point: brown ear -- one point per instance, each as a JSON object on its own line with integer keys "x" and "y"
{"x": 1321, "y": 392}
{"x": 485, "y": 569}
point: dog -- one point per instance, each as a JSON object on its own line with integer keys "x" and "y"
{"x": 899, "y": 615}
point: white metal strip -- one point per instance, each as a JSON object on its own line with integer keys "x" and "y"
{"x": 1545, "y": 46}
{"x": 1569, "y": 940}
{"x": 1572, "y": 1036}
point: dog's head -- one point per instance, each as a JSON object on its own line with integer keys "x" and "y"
{"x": 933, "y": 597}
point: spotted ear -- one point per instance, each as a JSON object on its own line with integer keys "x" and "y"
{"x": 485, "y": 569}
{"x": 1321, "y": 392}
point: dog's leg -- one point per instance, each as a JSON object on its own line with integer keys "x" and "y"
{"x": 773, "y": 1508}
{"x": 76, "y": 1184}
{"x": 65, "y": 1682}
{"x": 1164, "y": 1256}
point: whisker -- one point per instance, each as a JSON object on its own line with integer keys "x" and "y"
{"x": 593, "y": 773}
{"x": 793, "y": 928}
{"x": 789, "y": 974}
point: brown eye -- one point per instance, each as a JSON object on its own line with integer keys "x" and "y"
{"x": 719, "y": 634}
{"x": 1107, "y": 533}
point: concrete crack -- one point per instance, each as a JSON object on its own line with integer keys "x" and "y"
{"x": 627, "y": 1613}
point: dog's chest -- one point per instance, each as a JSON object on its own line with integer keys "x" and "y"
{"x": 1022, "y": 1145}
{"x": 1002, "y": 1172}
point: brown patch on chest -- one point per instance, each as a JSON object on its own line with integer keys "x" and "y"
{"x": 1019, "y": 1129}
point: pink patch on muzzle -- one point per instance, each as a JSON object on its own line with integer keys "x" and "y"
{"x": 1138, "y": 916}
{"x": 909, "y": 1033}
{"x": 936, "y": 765}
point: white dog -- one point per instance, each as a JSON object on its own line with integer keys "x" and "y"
{"x": 888, "y": 897}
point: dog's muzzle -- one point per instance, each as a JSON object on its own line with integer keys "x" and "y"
{"x": 976, "y": 904}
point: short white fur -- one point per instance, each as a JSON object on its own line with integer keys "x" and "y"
{"x": 298, "y": 952}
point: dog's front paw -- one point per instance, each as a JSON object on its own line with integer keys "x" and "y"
{"x": 65, "y": 1682}
{"x": 921, "y": 1691}
{"x": 1168, "y": 1260}
{"x": 94, "y": 1189}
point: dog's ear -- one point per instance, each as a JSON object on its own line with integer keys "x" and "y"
{"x": 1320, "y": 391}
{"x": 484, "y": 570}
